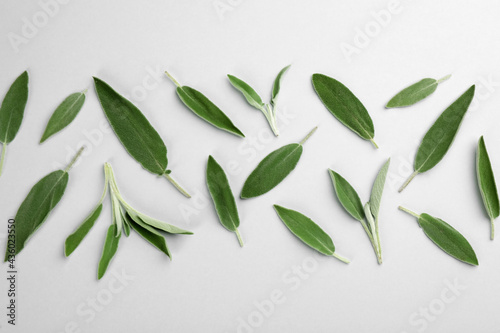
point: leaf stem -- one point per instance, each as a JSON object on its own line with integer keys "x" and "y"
{"x": 237, "y": 232}
{"x": 444, "y": 78}
{"x": 177, "y": 186}
{"x": 70, "y": 165}
{"x": 406, "y": 210}
{"x": 308, "y": 135}
{"x": 344, "y": 260}
{"x": 2, "y": 158}
{"x": 272, "y": 119}
{"x": 172, "y": 79}
{"x": 492, "y": 229}
{"x": 374, "y": 143}
{"x": 413, "y": 175}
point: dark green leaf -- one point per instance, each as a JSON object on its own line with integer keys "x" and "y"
{"x": 76, "y": 237}
{"x": 414, "y": 93}
{"x": 487, "y": 184}
{"x": 277, "y": 85}
{"x": 109, "y": 250}
{"x": 251, "y": 96}
{"x": 347, "y": 196}
{"x": 12, "y": 109}
{"x": 150, "y": 234}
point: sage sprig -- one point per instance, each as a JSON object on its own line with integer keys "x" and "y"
{"x": 124, "y": 218}
{"x": 344, "y": 106}
{"x": 268, "y": 109}
{"x": 368, "y": 214}
{"x": 308, "y": 232}
{"x": 222, "y": 197}
{"x": 487, "y": 184}
{"x": 415, "y": 93}
{"x": 64, "y": 114}
{"x": 204, "y": 108}
{"x": 440, "y": 136}
{"x": 38, "y": 204}
{"x": 273, "y": 169}
{"x": 12, "y": 112}
{"x": 445, "y": 237}
{"x": 135, "y": 132}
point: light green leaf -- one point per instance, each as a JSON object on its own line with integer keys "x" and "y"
{"x": 248, "y": 92}
{"x": 378, "y": 189}
{"x": 277, "y": 85}
{"x": 415, "y": 93}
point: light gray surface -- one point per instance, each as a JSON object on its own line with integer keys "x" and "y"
{"x": 212, "y": 284}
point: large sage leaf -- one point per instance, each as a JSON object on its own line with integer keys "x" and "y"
{"x": 415, "y": 93}
{"x": 222, "y": 197}
{"x": 487, "y": 184}
{"x": 344, "y": 105}
{"x": 109, "y": 250}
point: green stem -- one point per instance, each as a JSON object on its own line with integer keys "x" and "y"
{"x": 2, "y": 158}
{"x": 172, "y": 79}
{"x": 492, "y": 234}
{"x": 374, "y": 143}
{"x": 372, "y": 240}
{"x": 413, "y": 175}
{"x": 239, "y": 237}
{"x": 308, "y": 135}
{"x": 177, "y": 186}
{"x": 406, "y": 210}
{"x": 443, "y": 79}
{"x": 379, "y": 256}
{"x": 272, "y": 120}
{"x": 340, "y": 258}
{"x": 70, "y": 165}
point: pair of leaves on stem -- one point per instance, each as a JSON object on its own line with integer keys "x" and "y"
{"x": 135, "y": 132}
{"x": 438, "y": 139}
{"x": 367, "y": 214}
{"x": 308, "y": 232}
{"x": 415, "y": 93}
{"x": 12, "y": 112}
{"x": 487, "y": 184}
{"x": 204, "y": 108}
{"x": 37, "y": 206}
{"x": 125, "y": 218}
{"x": 269, "y": 110}
{"x": 344, "y": 106}
{"x": 445, "y": 237}
{"x": 273, "y": 169}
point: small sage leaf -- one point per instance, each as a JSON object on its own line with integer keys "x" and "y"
{"x": 487, "y": 184}
{"x": 378, "y": 189}
{"x": 308, "y": 232}
{"x": 204, "y": 108}
{"x": 222, "y": 197}
{"x": 76, "y": 237}
{"x": 250, "y": 95}
{"x": 345, "y": 106}
{"x": 277, "y": 85}
{"x": 109, "y": 250}
{"x": 415, "y": 93}
{"x": 347, "y": 196}
{"x": 150, "y": 234}
{"x": 126, "y": 223}
{"x": 440, "y": 136}
{"x": 446, "y": 237}
{"x": 64, "y": 114}
{"x": 273, "y": 169}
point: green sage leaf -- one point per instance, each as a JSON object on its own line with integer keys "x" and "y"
{"x": 308, "y": 231}
{"x": 79, "y": 234}
{"x": 487, "y": 184}
{"x": 440, "y": 136}
{"x": 344, "y": 105}
{"x": 248, "y": 92}
{"x": 347, "y": 196}
{"x": 415, "y": 93}
{"x": 277, "y": 85}
{"x": 171, "y": 229}
{"x": 378, "y": 189}
{"x": 109, "y": 250}
{"x": 273, "y": 169}
{"x": 64, "y": 114}
{"x": 149, "y": 234}
{"x": 126, "y": 223}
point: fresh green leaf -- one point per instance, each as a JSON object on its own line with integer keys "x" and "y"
{"x": 440, "y": 136}
{"x": 277, "y": 85}
{"x": 378, "y": 189}
{"x": 308, "y": 231}
{"x": 64, "y": 114}
{"x": 76, "y": 237}
{"x": 487, "y": 184}
{"x": 171, "y": 229}
{"x": 126, "y": 223}
{"x": 109, "y": 250}
{"x": 273, "y": 169}
{"x": 251, "y": 96}
{"x": 344, "y": 105}
{"x": 347, "y": 196}
{"x": 415, "y": 93}
{"x": 150, "y": 234}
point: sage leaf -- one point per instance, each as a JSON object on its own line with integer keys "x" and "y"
{"x": 109, "y": 250}
{"x": 150, "y": 234}
{"x": 250, "y": 95}
{"x": 12, "y": 112}
{"x": 76, "y": 237}
{"x": 308, "y": 232}
{"x": 222, "y": 197}
{"x": 445, "y": 237}
{"x": 64, "y": 114}
{"x": 378, "y": 189}
{"x": 37, "y": 206}
{"x": 277, "y": 85}
{"x": 439, "y": 138}
{"x": 273, "y": 169}
{"x": 347, "y": 196}
{"x": 415, "y": 93}
{"x": 487, "y": 184}
{"x": 344, "y": 106}
{"x": 204, "y": 108}
{"x": 135, "y": 132}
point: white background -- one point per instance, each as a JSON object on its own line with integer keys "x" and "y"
{"x": 212, "y": 285}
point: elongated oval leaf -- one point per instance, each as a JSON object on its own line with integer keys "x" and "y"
{"x": 378, "y": 189}
{"x": 171, "y": 229}
{"x": 12, "y": 109}
{"x": 35, "y": 209}
{"x": 448, "y": 239}
{"x": 132, "y": 128}
{"x": 222, "y": 197}
{"x": 414, "y": 93}
{"x": 344, "y": 105}
{"x": 109, "y": 250}
{"x": 250, "y": 95}
{"x": 277, "y": 85}
{"x": 206, "y": 110}
{"x": 76, "y": 237}
{"x": 347, "y": 196}
{"x": 487, "y": 184}
{"x": 64, "y": 114}
{"x": 150, "y": 234}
